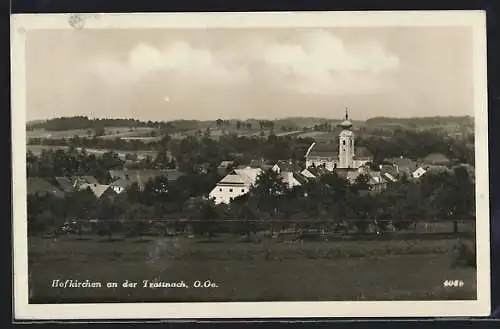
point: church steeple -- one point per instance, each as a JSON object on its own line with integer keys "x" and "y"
{"x": 346, "y": 124}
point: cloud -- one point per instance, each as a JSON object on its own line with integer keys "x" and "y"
{"x": 323, "y": 63}
{"x": 310, "y": 62}
{"x": 179, "y": 60}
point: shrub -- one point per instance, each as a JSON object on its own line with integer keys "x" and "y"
{"x": 464, "y": 254}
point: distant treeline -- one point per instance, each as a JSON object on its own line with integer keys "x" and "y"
{"x": 83, "y": 122}
{"x": 422, "y": 121}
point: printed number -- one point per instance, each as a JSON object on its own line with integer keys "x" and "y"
{"x": 453, "y": 283}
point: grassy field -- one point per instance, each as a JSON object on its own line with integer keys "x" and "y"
{"x": 37, "y": 150}
{"x": 110, "y": 133}
{"x": 266, "y": 271}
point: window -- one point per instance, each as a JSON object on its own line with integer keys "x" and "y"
{"x": 220, "y": 190}
{"x": 343, "y": 142}
{"x": 243, "y": 190}
{"x": 230, "y": 190}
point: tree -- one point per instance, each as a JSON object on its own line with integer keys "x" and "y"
{"x": 204, "y": 219}
{"x": 139, "y": 217}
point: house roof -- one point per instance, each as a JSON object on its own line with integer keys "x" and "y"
{"x": 318, "y": 171}
{"x": 233, "y": 179}
{"x": 142, "y": 176}
{"x": 389, "y": 169}
{"x": 287, "y": 166}
{"x": 389, "y": 177}
{"x": 39, "y": 186}
{"x": 300, "y": 178}
{"x": 97, "y": 189}
{"x": 307, "y": 173}
{"x": 436, "y": 169}
{"x": 65, "y": 183}
{"x": 403, "y": 163}
{"x": 249, "y": 174}
{"x": 436, "y": 158}
{"x": 225, "y": 164}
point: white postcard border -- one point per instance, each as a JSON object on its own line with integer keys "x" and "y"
{"x": 21, "y": 24}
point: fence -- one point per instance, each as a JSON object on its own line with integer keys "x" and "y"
{"x": 271, "y": 227}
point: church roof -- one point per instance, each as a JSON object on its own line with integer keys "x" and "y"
{"x": 324, "y": 150}
{"x": 362, "y": 153}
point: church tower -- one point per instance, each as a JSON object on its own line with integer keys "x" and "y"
{"x": 346, "y": 143}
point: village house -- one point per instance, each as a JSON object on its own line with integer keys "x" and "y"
{"x": 404, "y": 166}
{"x": 376, "y": 180}
{"x": 72, "y": 183}
{"x": 389, "y": 172}
{"x": 40, "y": 187}
{"x": 293, "y": 179}
{"x": 419, "y": 172}
{"x": 285, "y": 166}
{"x": 123, "y": 179}
{"x": 236, "y": 183}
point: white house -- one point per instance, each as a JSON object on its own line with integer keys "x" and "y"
{"x": 418, "y": 172}
{"x": 235, "y": 184}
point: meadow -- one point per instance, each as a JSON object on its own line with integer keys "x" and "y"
{"x": 37, "y": 150}
{"x": 411, "y": 269}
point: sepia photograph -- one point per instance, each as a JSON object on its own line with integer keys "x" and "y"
{"x": 246, "y": 165}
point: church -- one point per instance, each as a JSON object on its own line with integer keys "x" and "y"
{"x": 344, "y": 156}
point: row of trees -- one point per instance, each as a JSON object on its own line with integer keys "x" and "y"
{"x": 327, "y": 202}
{"x": 410, "y": 143}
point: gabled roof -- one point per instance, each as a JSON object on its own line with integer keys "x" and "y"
{"x": 97, "y": 189}
{"x": 233, "y": 179}
{"x": 249, "y": 174}
{"x": 287, "y": 166}
{"x": 403, "y": 163}
{"x": 389, "y": 169}
{"x": 145, "y": 175}
{"x": 389, "y": 177}
{"x": 307, "y": 173}
{"x": 300, "y": 178}
{"x": 123, "y": 182}
{"x": 318, "y": 171}
{"x": 39, "y": 186}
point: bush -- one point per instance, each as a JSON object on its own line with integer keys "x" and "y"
{"x": 464, "y": 254}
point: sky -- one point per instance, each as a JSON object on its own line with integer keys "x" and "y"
{"x": 205, "y": 74}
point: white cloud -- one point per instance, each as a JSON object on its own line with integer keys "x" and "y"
{"x": 312, "y": 62}
{"x": 322, "y": 63}
{"x": 179, "y": 59}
